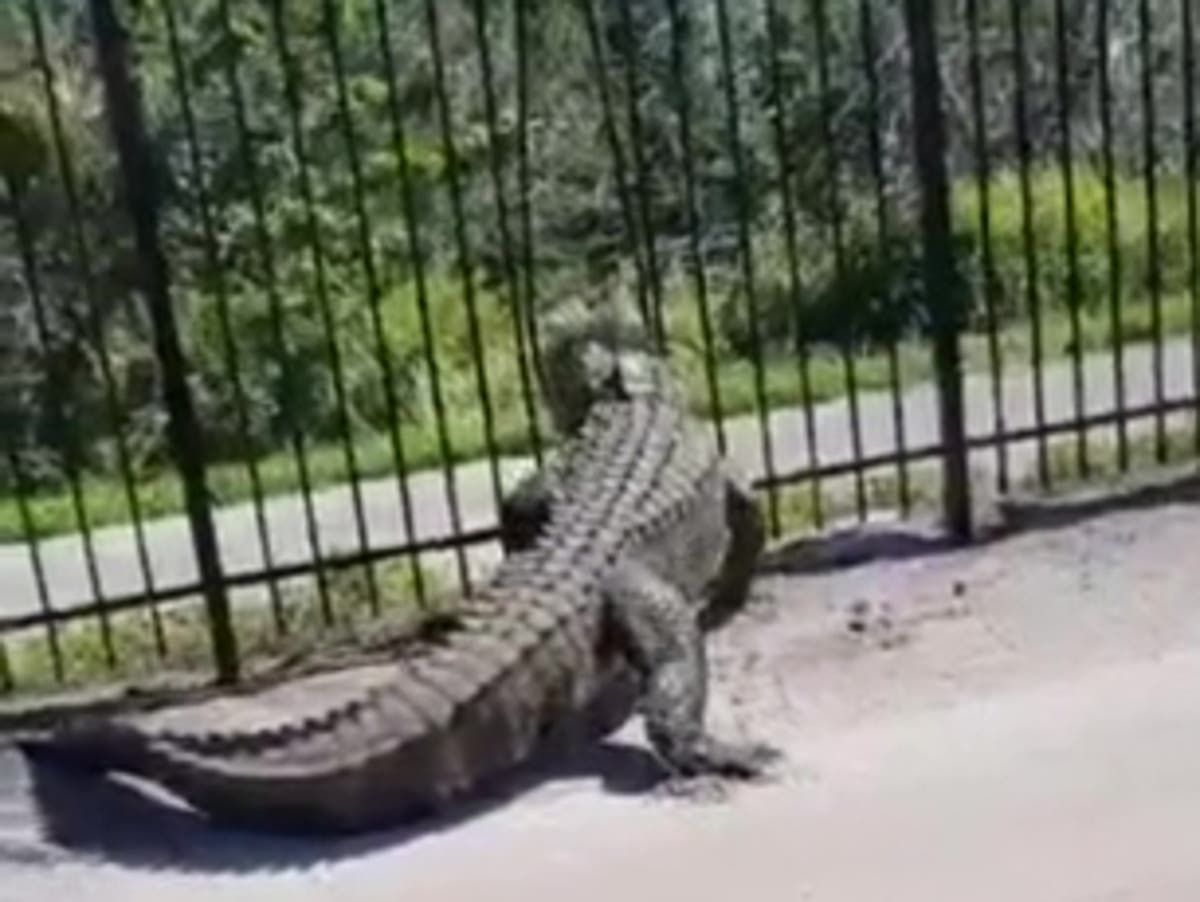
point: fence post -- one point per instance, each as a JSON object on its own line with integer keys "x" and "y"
{"x": 123, "y": 103}
{"x": 943, "y": 287}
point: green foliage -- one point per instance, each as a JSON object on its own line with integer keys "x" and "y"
{"x": 24, "y": 142}
{"x": 1049, "y": 231}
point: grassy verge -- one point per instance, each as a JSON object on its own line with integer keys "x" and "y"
{"x": 27, "y": 663}
{"x": 1104, "y": 462}
{"x": 838, "y": 501}
{"x": 53, "y": 513}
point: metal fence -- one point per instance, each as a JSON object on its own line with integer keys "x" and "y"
{"x": 279, "y": 266}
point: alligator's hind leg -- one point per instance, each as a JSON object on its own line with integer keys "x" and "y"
{"x": 524, "y": 512}
{"x": 729, "y": 591}
{"x": 664, "y": 641}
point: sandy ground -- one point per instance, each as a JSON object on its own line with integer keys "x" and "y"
{"x": 1019, "y": 720}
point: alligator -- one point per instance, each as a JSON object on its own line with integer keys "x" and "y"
{"x": 633, "y": 541}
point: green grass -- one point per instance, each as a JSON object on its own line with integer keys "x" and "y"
{"x": 53, "y": 513}
{"x": 27, "y": 662}
{"x": 798, "y": 514}
{"x": 1104, "y": 465}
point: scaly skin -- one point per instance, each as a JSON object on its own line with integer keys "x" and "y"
{"x": 631, "y": 543}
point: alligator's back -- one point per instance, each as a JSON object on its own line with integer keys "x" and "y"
{"x": 527, "y": 649}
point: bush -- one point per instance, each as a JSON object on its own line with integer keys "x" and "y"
{"x": 298, "y": 388}
{"x": 1050, "y": 244}
{"x": 879, "y": 296}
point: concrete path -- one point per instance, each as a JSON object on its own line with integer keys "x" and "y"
{"x": 169, "y": 539}
{"x": 1023, "y": 726}
{"x": 1087, "y": 790}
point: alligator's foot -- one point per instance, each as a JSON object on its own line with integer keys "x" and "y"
{"x": 744, "y": 761}
{"x": 704, "y": 789}
{"x": 704, "y": 774}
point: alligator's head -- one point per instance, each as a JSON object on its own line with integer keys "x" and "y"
{"x": 596, "y": 353}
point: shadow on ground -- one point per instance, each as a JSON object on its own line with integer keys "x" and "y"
{"x": 67, "y": 814}
{"x": 861, "y": 544}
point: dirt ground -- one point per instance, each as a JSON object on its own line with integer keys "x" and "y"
{"x": 1019, "y": 720}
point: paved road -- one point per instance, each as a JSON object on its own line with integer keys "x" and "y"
{"x": 1032, "y": 738}
{"x": 173, "y": 562}
{"x": 1086, "y": 790}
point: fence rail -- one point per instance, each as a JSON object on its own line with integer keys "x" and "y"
{"x": 278, "y": 267}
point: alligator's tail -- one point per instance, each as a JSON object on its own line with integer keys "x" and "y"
{"x": 353, "y": 774}
{"x": 92, "y": 745}
{"x": 446, "y": 720}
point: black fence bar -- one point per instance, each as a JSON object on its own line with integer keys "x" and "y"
{"x": 1090, "y": 422}
{"x": 784, "y": 158}
{"x": 834, "y": 212}
{"x": 683, "y": 110}
{"x": 462, "y": 245}
{"x": 87, "y": 276}
{"x": 1066, "y": 151}
{"x": 125, "y": 117}
{"x": 631, "y": 50}
{"x": 1150, "y": 176}
{"x": 229, "y": 345}
{"x": 1112, "y": 226}
{"x": 31, "y": 540}
{"x": 525, "y": 366}
{"x": 529, "y": 300}
{"x": 57, "y": 410}
{"x": 66, "y": 175}
{"x": 866, "y": 27}
{"x": 374, "y": 292}
{"x": 417, "y": 259}
{"x": 1190, "y": 149}
{"x": 317, "y": 253}
{"x": 1033, "y": 295}
{"x": 943, "y": 288}
{"x": 746, "y": 255}
{"x": 983, "y": 186}
{"x": 7, "y": 682}
{"x": 600, "y": 73}
{"x": 248, "y": 158}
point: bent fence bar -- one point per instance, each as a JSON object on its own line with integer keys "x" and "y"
{"x": 271, "y": 276}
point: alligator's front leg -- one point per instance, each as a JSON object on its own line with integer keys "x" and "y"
{"x": 664, "y": 641}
